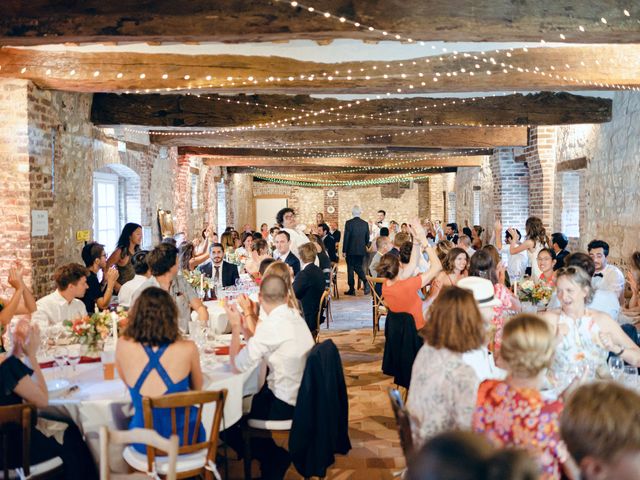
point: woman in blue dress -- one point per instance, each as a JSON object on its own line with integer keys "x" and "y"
{"x": 153, "y": 360}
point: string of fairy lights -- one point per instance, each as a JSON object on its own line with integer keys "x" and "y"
{"x": 407, "y": 79}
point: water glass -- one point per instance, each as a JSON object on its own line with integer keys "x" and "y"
{"x": 60, "y": 357}
{"x": 630, "y": 377}
{"x": 75, "y": 354}
{"x": 616, "y": 367}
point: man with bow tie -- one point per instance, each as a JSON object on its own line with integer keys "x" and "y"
{"x": 607, "y": 277}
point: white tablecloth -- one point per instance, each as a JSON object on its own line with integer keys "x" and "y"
{"x": 99, "y": 402}
{"x": 217, "y": 317}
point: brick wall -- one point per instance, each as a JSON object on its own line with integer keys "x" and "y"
{"x": 540, "y": 156}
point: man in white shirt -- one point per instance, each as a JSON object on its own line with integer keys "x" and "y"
{"x": 141, "y": 267}
{"x": 63, "y": 304}
{"x": 287, "y": 218}
{"x": 282, "y": 340}
{"x": 607, "y": 277}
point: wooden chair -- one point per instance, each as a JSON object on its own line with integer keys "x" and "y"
{"x": 324, "y": 306}
{"x": 377, "y": 304}
{"x": 194, "y": 458}
{"x": 333, "y": 281}
{"x": 403, "y": 423}
{"x": 137, "y": 435}
{"x": 16, "y": 422}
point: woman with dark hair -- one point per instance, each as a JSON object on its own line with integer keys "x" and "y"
{"x": 454, "y": 268}
{"x": 203, "y": 242}
{"x": 476, "y": 237}
{"x": 482, "y": 265}
{"x": 546, "y": 263}
{"x": 237, "y": 243}
{"x": 247, "y": 243}
{"x": 23, "y": 382}
{"x": 128, "y": 244}
{"x": 400, "y": 293}
{"x": 152, "y": 360}
{"x": 537, "y": 239}
{"x": 188, "y": 258}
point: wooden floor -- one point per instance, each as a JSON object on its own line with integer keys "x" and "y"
{"x": 376, "y": 452}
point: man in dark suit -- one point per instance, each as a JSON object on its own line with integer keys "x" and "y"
{"x": 354, "y": 248}
{"x": 221, "y": 272}
{"x": 309, "y": 285}
{"x": 283, "y": 251}
{"x": 329, "y": 243}
{"x": 335, "y": 233}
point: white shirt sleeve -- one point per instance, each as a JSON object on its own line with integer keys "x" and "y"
{"x": 264, "y": 341}
{"x": 612, "y": 280}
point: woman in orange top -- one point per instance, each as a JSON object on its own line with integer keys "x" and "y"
{"x": 401, "y": 294}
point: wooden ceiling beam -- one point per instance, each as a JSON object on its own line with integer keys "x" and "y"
{"x": 323, "y": 163}
{"x": 277, "y": 112}
{"x": 387, "y": 151}
{"x": 590, "y": 67}
{"x": 316, "y": 171}
{"x": 40, "y": 22}
{"x": 443, "y": 137}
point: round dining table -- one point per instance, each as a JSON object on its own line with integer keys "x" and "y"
{"x": 91, "y": 402}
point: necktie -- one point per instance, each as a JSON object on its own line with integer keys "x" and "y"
{"x": 216, "y": 276}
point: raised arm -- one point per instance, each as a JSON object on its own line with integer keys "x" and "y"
{"x": 497, "y": 227}
{"x": 435, "y": 267}
{"x": 11, "y": 307}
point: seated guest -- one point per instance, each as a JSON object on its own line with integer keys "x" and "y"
{"x": 283, "y": 271}
{"x": 329, "y": 243}
{"x": 383, "y": 245}
{"x": 464, "y": 242}
{"x": 398, "y": 240}
{"x": 227, "y": 242}
{"x": 163, "y": 262}
{"x": 222, "y": 272}
{"x": 309, "y": 285}
{"x": 63, "y": 303}
{"x": 582, "y": 334}
{"x": 546, "y": 264}
{"x": 454, "y": 268}
{"x": 607, "y": 277}
{"x": 25, "y": 383}
{"x": 153, "y": 360}
{"x": 559, "y": 242}
{"x": 323, "y": 258}
{"x": 283, "y": 251}
{"x": 286, "y": 217}
{"x": 189, "y": 260}
{"x": 600, "y": 425}
{"x": 264, "y": 264}
{"x": 401, "y": 294}
{"x": 632, "y": 278}
{"x": 271, "y": 239}
{"x": 21, "y": 302}
{"x": 283, "y": 341}
{"x": 482, "y": 265}
{"x": 247, "y": 243}
{"x": 513, "y": 413}
{"x": 128, "y": 244}
{"x": 95, "y": 259}
{"x": 443, "y": 387}
{"x": 334, "y": 232}
{"x": 259, "y": 251}
{"x": 141, "y": 267}
{"x": 462, "y": 455}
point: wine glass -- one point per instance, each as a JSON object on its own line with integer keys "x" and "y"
{"x": 60, "y": 357}
{"x": 75, "y": 353}
{"x": 630, "y": 377}
{"x": 616, "y": 367}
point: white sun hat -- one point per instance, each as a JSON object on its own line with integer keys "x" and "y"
{"x": 482, "y": 290}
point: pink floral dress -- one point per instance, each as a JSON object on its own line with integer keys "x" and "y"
{"x": 503, "y": 294}
{"x": 521, "y": 418}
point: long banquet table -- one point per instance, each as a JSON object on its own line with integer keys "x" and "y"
{"x": 99, "y": 402}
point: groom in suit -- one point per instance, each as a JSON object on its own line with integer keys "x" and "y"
{"x": 354, "y": 248}
{"x": 221, "y": 272}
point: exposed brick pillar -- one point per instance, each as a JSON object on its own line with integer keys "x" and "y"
{"x": 333, "y": 203}
{"x": 540, "y": 155}
{"x": 182, "y": 197}
{"x": 424, "y": 200}
{"x": 510, "y": 188}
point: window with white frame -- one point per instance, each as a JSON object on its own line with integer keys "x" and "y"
{"x": 106, "y": 209}
{"x": 570, "y": 204}
{"x": 222, "y": 207}
{"x": 476, "y": 206}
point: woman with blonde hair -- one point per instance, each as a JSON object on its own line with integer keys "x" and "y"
{"x": 227, "y": 242}
{"x": 443, "y": 386}
{"x": 512, "y": 412}
{"x": 584, "y": 336}
{"x": 443, "y": 247}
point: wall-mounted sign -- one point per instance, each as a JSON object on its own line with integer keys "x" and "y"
{"x": 83, "y": 235}
{"x": 39, "y": 223}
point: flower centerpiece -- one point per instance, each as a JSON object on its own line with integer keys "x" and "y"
{"x": 198, "y": 280}
{"x": 534, "y": 293}
{"x": 92, "y": 330}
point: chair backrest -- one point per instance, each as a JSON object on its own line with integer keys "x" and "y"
{"x": 324, "y": 302}
{"x": 373, "y": 281}
{"x": 137, "y": 435}
{"x": 16, "y": 419}
{"x": 185, "y": 400}
{"x": 403, "y": 422}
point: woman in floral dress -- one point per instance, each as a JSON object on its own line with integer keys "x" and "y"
{"x": 512, "y": 413}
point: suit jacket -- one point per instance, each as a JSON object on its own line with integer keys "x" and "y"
{"x": 309, "y": 285}
{"x": 401, "y": 345}
{"x": 330, "y": 245}
{"x": 228, "y": 275}
{"x": 356, "y": 237}
{"x": 293, "y": 262}
{"x": 336, "y": 236}
{"x": 320, "y": 426}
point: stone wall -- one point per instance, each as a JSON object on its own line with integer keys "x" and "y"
{"x": 467, "y": 182}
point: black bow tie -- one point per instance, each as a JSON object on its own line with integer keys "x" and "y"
{"x": 598, "y": 275}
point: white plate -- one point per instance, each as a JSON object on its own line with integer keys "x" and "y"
{"x": 57, "y": 385}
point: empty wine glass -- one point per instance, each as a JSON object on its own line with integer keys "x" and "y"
{"x": 75, "y": 354}
{"x": 60, "y": 357}
{"x": 616, "y": 367}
